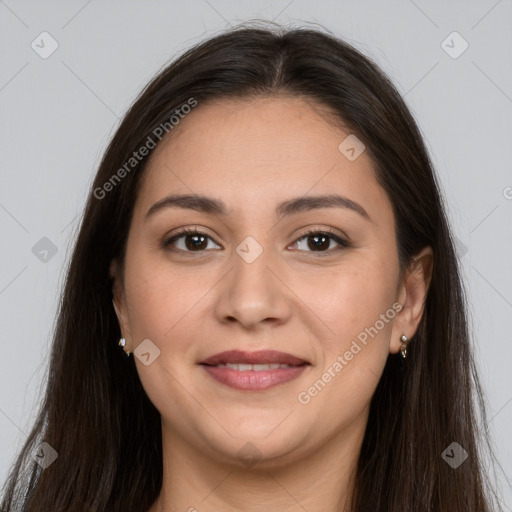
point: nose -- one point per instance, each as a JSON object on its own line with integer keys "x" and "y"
{"x": 254, "y": 292}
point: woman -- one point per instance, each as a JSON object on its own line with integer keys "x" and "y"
{"x": 266, "y": 241}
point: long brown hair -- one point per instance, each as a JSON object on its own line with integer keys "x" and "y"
{"x": 96, "y": 414}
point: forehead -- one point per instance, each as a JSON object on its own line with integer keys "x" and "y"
{"x": 257, "y": 152}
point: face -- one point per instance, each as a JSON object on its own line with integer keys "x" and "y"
{"x": 252, "y": 279}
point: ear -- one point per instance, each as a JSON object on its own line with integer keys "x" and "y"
{"x": 412, "y": 295}
{"x": 119, "y": 302}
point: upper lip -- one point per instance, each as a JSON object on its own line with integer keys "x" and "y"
{"x": 260, "y": 357}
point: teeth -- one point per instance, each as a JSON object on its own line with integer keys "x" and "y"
{"x": 243, "y": 367}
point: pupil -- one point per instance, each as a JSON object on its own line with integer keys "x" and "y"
{"x": 194, "y": 245}
{"x": 318, "y": 245}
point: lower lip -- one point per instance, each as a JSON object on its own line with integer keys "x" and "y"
{"x": 254, "y": 380}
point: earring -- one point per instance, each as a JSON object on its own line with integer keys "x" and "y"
{"x": 122, "y": 343}
{"x": 403, "y": 349}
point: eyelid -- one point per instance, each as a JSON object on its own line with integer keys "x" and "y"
{"x": 342, "y": 240}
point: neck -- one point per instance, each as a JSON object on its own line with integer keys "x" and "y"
{"x": 320, "y": 480}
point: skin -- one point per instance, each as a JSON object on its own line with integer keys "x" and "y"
{"x": 253, "y": 154}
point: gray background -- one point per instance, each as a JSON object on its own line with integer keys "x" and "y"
{"x": 58, "y": 113}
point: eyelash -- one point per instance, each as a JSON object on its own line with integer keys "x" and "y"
{"x": 343, "y": 244}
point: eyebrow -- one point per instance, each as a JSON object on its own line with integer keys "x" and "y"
{"x": 214, "y": 206}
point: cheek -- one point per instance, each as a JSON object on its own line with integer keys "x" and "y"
{"x": 350, "y": 299}
{"x": 163, "y": 307}
{"x": 165, "y": 303}
{"x": 358, "y": 311}
{"x": 148, "y": 301}
{"x": 152, "y": 291}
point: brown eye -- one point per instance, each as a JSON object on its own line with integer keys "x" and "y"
{"x": 197, "y": 241}
{"x": 320, "y": 241}
{"x": 194, "y": 241}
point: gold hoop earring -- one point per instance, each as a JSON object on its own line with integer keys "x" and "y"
{"x": 122, "y": 343}
{"x": 403, "y": 349}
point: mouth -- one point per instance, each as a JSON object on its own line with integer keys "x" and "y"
{"x": 253, "y": 371}
{"x": 253, "y": 358}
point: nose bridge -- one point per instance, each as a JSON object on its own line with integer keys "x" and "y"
{"x": 252, "y": 292}
{"x": 251, "y": 263}
{"x": 251, "y": 274}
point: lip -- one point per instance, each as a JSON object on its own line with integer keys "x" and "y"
{"x": 254, "y": 380}
{"x": 251, "y": 380}
{"x": 260, "y": 357}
